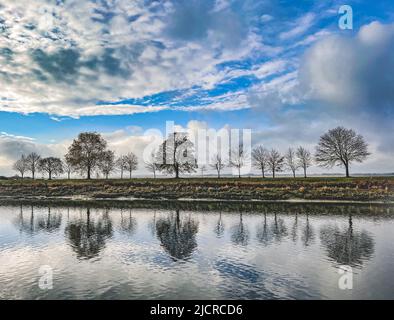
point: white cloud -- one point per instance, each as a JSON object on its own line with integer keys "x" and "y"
{"x": 270, "y": 68}
{"x": 299, "y": 27}
{"x": 63, "y": 59}
{"x": 352, "y": 72}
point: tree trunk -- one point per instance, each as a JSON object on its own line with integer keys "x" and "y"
{"x": 88, "y": 173}
{"x": 347, "y": 170}
{"x": 239, "y": 172}
{"x": 263, "y": 173}
{"x": 218, "y": 174}
{"x": 304, "y": 172}
{"x": 273, "y": 174}
{"x": 294, "y": 174}
{"x": 178, "y": 219}
{"x": 68, "y": 175}
{"x": 131, "y": 171}
{"x": 121, "y": 173}
{"x": 154, "y": 174}
{"x": 50, "y": 175}
{"x": 176, "y": 171}
{"x": 33, "y": 173}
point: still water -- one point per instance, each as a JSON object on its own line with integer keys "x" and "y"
{"x": 177, "y": 252}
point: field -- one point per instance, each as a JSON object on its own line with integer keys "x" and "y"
{"x": 347, "y": 189}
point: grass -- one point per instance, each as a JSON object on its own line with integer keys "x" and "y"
{"x": 314, "y": 188}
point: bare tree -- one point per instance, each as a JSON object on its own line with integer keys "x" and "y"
{"x": 291, "y": 161}
{"x": 52, "y": 166}
{"x": 150, "y": 164}
{"x": 121, "y": 165}
{"x": 218, "y": 164}
{"x": 131, "y": 162}
{"x": 304, "y": 159}
{"x": 275, "y": 162}
{"x": 32, "y": 162}
{"x": 176, "y": 155}
{"x": 86, "y": 152}
{"x": 341, "y": 146}
{"x": 260, "y": 159}
{"x": 238, "y": 158}
{"x": 21, "y": 166}
{"x": 68, "y": 168}
{"x": 107, "y": 163}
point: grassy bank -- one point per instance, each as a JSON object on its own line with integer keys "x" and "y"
{"x": 351, "y": 189}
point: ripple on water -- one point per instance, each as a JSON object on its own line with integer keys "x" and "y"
{"x": 147, "y": 254}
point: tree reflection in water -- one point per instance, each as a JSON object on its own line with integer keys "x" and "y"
{"x": 152, "y": 224}
{"x": 279, "y": 228}
{"x": 346, "y": 246}
{"x": 33, "y": 223}
{"x": 263, "y": 233}
{"x": 128, "y": 224}
{"x": 276, "y": 231}
{"x": 308, "y": 234}
{"x": 294, "y": 229}
{"x": 49, "y": 223}
{"x": 177, "y": 235}
{"x": 219, "y": 228}
{"x": 88, "y": 237}
{"x": 240, "y": 233}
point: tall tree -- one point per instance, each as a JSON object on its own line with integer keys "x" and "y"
{"x": 150, "y": 164}
{"x": 86, "y": 152}
{"x": 260, "y": 159}
{"x": 107, "y": 163}
{"x": 304, "y": 159}
{"x": 21, "y": 166}
{"x": 238, "y": 158}
{"x": 52, "y": 166}
{"x": 32, "y": 161}
{"x": 131, "y": 162}
{"x": 176, "y": 155}
{"x": 275, "y": 162}
{"x": 121, "y": 165}
{"x": 291, "y": 161}
{"x": 217, "y": 164}
{"x": 341, "y": 146}
{"x": 68, "y": 168}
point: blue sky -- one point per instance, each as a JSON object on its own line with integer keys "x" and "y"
{"x": 282, "y": 68}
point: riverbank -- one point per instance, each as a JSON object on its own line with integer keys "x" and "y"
{"x": 363, "y": 189}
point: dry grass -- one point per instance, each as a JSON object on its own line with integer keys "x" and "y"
{"x": 330, "y": 188}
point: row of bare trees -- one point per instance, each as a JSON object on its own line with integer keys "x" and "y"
{"x": 273, "y": 161}
{"x": 89, "y": 153}
{"x": 33, "y": 163}
{"x": 339, "y": 146}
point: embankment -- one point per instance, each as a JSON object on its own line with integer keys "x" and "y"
{"x": 335, "y": 189}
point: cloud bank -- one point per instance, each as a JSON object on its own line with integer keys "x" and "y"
{"x": 65, "y": 57}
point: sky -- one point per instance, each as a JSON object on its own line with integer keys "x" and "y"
{"x": 284, "y": 69}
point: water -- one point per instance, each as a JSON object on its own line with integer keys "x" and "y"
{"x": 172, "y": 251}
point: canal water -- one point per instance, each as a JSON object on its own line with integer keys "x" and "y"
{"x": 171, "y": 251}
